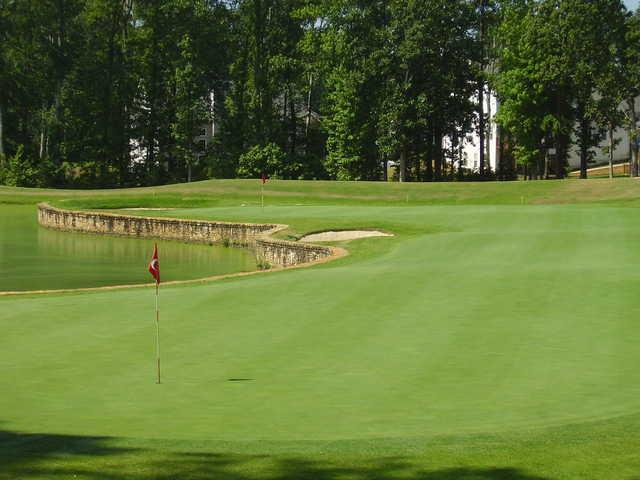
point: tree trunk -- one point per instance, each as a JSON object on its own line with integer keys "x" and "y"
{"x": 561, "y": 144}
{"x": 41, "y": 148}
{"x": 611, "y": 151}
{"x": 633, "y": 146}
{"x": 403, "y": 163}
{"x": 498, "y": 159}
{"x": 109, "y": 153}
{"x": 584, "y": 134}
{"x": 293, "y": 134}
{"x": 285, "y": 105}
{"x": 151, "y": 132}
{"x": 260, "y": 70}
{"x": 1, "y": 139}
{"x": 429, "y": 153}
{"x": 546, "y": 165}
{"x": 437, "y": 150}
{"x": 308, "y": 119}
{"x": 489, "y": 132}
{"x": 481, "y": 125}
{"x": 403, "y": 153}
{"x": 460, "y": 172}
{"x": 562, "y": 138}
{"x": 584, "y": 151}
{"x": 385, "y": 165}
{"x": 55, "y": 130}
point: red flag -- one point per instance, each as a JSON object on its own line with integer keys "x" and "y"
{"x": 264, "y": 178}
{"x": 154, "y": 265}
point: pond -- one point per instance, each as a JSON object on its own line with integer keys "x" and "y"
{"x": 36, "y": 258}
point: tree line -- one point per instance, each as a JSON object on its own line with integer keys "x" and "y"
{"x": 117, "y": 92}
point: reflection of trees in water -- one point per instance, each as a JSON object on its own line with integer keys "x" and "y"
{"x": 193, "y": 259}
{"x": 34, "y": 258}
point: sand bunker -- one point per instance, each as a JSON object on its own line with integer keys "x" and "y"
{"x": 336, "y": 236}
{"x": 150, "y": 209}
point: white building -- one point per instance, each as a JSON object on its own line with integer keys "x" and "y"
{"x": 208, "y": 130}
{"x": 471, "y": 147}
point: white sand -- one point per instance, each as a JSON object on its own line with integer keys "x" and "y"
{"x": 336, "y": 236}
{"x": 151, "y": 209}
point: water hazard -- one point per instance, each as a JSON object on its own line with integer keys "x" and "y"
{"x": 35, "y": 258}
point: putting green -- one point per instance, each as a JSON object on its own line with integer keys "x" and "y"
{"x": 495, "y": 335}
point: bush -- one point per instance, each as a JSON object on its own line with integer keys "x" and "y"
{"x": 263, "y": 264}
{"x": 20, "y": 171}
{"x": 220, "y": 164}
{"x": 269, "y": 159}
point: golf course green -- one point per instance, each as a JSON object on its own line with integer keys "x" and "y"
{"x": 494, "y": 336}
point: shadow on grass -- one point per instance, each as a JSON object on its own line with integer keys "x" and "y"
{"x": 26, "y": 455}
{"x": 57, "y": 457}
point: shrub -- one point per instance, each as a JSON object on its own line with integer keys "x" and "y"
{"x": 269, "y": 159}
{"x": 263, "y": 264}
{"x": 20, "y": 171}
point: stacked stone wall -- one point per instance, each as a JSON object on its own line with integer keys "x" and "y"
{"x": 279, "y": 252}
{"x": 194, "y": 231}
{"x": 256, "y": 236}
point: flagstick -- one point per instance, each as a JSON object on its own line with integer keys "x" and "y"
{"x": 157, "y": 334}
{"x": 262, "y": 195}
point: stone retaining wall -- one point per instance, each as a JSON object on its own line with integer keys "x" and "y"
{"x": 280, "y": 252}
{"x": 275, "y": 252}
{"x": 195, "y": 231}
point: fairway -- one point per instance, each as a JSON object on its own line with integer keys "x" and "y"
{"x": 492, "y": 337}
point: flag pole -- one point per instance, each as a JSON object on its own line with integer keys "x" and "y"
{"x": 262, "y": 194}
{"x": 157, "y": 334}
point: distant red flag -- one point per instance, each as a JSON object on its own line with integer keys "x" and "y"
{"x": 154, "y": 265}
{"x": 264, "y": 178}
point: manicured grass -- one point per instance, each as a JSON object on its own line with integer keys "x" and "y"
{"x": 237, "y": 192}
{"x": 486, "y": 340}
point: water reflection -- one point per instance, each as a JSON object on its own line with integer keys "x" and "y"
{"x": 32, "y": 257}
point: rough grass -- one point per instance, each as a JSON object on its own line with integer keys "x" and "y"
{"x": 486, "y": 340}
{"x": 236, "y": 192}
